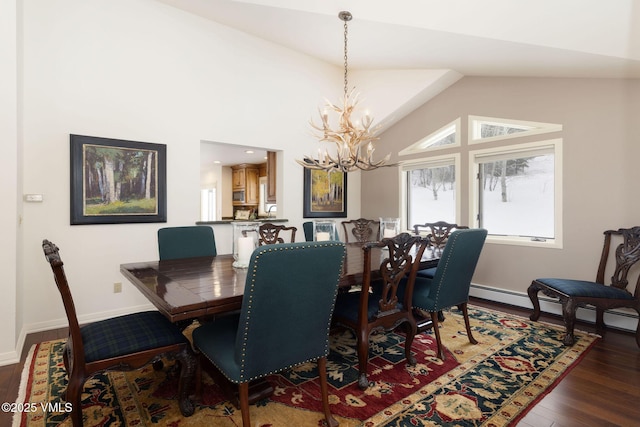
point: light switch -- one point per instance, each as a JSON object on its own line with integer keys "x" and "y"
{"x": 33, "y": 197}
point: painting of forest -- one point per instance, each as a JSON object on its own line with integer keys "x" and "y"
{"x": 119, "y": 181}
{"x": 116, "y": 181}
{"x": 325, "y": 194}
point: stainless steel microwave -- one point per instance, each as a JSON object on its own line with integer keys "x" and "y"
{"x": 238, "y": 196}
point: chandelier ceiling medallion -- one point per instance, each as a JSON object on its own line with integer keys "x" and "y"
{"x": 353, "y": 138}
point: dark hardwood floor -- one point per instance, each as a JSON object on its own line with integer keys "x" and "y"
{"x": 603, "y": 390}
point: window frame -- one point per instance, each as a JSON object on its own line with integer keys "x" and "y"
{"x": 417, "y": 147}
{"x": 428, "y": 162}
{"x": 477, "y": 156}
{"x": 537, "y": 128}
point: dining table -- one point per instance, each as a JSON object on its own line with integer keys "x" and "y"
{"x": 202, "y": 287}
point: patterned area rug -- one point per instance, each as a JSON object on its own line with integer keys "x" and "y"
{"x": 493, "y": 383}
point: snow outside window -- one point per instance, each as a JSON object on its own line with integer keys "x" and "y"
{"x": 431, "y": 190}
{"x": 516, "y": 192}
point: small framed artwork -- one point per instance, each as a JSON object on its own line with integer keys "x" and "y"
{"x": 115, "y": 181}
{"x": 243, "y": 214}
{"x": 325, "y": 194}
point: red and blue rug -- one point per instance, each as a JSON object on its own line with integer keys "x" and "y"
{"x": 493, "y": 383}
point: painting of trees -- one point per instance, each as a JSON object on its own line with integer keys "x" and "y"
{"x": 119, "y": 180}
{"x": 114, "y": 181}
{"x": 325, "y": 193}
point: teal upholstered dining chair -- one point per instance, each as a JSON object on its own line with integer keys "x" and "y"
{"x": 307, "y": 227}
{"x": 284, "y": 320}
{"x": 380, "y": 308}
{"x": 186, "y": 242}
{"x": 450, "y": 285}
{"x": 574, "y": 293}
{"x": 121, "y": 343}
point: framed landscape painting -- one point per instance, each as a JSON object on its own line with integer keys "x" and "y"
{"x": 115, "y": 181}
{"x": 325, "y": 194}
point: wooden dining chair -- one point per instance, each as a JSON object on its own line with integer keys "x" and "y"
{"x": 186, "y": 242}
{"x": 574, "y": 293}
{"x": 269, "y": 234}
{"x": 379, "y": 308}
{"x": 437, "y": 233}
{"x": 120, "y": 343}
{"x": 361, "y": 230}
{"x": 290, "y": 291}
{"x": 450, "y": 285}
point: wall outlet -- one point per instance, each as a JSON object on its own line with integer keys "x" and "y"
{"x": 117, "y": 288}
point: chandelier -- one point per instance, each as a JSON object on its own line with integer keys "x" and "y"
{"x": 353, "y": 138}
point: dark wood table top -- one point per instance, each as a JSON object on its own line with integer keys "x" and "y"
{"x": 189, "y": 288}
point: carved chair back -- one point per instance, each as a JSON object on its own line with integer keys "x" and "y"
{"x": 437, "y": 232}
{"x": 361, "y": 230}
{"x": 269, "y": 234}
{"x": 627, "y": 254}
{"x": 377, "y": 306}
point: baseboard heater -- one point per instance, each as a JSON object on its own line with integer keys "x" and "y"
{"x": 623, "y": 319}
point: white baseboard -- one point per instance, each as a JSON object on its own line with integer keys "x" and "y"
{"x": 9, "y": 357}
{"x": 624, "y": 319}
{"x": 12, "y": 357}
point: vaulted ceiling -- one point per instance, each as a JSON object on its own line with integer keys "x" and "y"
{"x": 435, "y": 42}
{"x": 550, "y": 38}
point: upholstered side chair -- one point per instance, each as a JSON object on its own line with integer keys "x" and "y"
{"x": 287, "y": 284}
{"x": 121, "y": 343}
{"x": 450, "y": 285}
{"x": 186, "y": 242}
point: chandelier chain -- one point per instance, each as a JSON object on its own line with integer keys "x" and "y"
{"x": 346, "y": 82}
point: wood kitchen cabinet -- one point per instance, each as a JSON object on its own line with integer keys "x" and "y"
{"x": 238, "y": 177}
{"x": 252, "y": 189}
{"x": 245, "y": 181}
{"x": 271, "y": 177}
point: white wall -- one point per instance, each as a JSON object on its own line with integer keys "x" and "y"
{"x": 143, "y": 71}
{"x": 10, "y": 187}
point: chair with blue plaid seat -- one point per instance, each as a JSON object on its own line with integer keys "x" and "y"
{"x": 284, "y": 321}
{"x": 186, "y": 242}
{"x": 121, "y": 343}
{"x": 579, "y": 293}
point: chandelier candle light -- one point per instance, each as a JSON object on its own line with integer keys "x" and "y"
{"x": 353, "y": 139}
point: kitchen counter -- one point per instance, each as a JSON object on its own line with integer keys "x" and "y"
{"x": 223, "y": 231}
{"x": 231, "y": 221}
